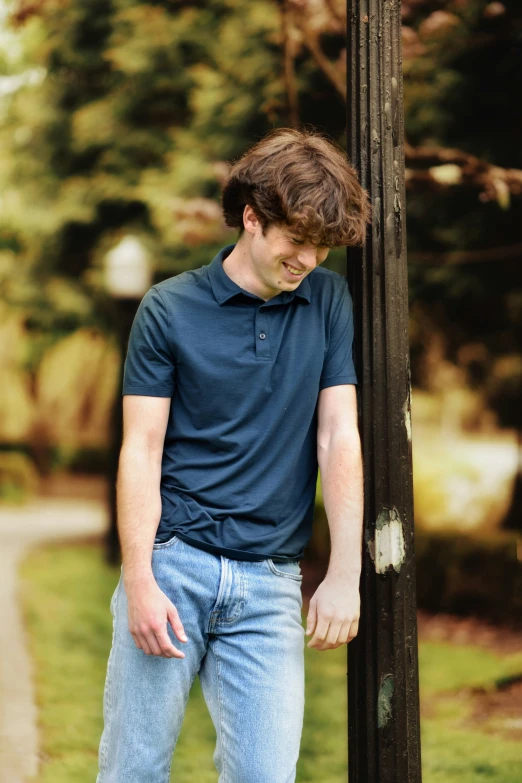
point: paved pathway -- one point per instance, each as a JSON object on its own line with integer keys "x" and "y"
{"x": 21, "y": 527}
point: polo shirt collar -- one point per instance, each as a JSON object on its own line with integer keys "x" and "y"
{"x": 224, "y": 288}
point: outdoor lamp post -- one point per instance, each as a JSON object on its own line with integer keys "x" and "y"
{"x": 383, "y": 687}
{"x": 128, "y": 277}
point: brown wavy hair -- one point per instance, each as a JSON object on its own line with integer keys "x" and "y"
{"x": 301, "y": 179}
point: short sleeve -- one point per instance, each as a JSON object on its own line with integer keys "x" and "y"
{"x": 150, "y": 365}
{"x": 338, "y": 367}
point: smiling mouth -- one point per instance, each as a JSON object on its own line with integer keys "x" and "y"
{"x": 293, "y": 270}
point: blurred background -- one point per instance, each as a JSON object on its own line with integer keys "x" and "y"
{"x": 117, "y": 119}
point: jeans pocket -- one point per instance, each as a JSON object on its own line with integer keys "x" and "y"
{"x": 289, "y": 569}
{"x": 166, "y": 544}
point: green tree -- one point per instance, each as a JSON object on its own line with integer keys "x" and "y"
{"x": 133, "y": 109}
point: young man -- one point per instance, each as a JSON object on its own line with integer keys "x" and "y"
{"x": 239, "y": 383}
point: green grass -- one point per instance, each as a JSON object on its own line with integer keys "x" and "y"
{"x": 450, "y": 752}
{"x": 66, "y": 592}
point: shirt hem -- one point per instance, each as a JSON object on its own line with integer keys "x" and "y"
{"x": 146, "y": 391}
{"x": 338, "y": 381}
{"x": 234, "y": 554}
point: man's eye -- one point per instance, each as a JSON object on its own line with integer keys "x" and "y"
{"x": 297, "y": 241}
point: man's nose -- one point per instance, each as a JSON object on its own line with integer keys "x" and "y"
{"x": 307, "y": 257}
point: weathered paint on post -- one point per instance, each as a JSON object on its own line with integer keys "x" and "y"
{"x": 383, "y": 688}
{"x": 406, "y": 412}
{"x": 384, "y": 701}
{"x": 387, "y": 548}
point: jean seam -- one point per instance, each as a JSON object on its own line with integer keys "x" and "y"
{"x": 220, "y": 707}
{"x": 108, "y": 684}
{"x": 166, "y": 544}
{"x": 216, "y": 611}
{"x": 277, "y": 572}
{"x": 240, "y": 602}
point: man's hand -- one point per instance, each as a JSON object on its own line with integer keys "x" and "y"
{"x": 149, "y": 611}
{"x": 333, "y": 614}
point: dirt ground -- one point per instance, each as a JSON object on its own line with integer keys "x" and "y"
{"x": 495, "y": 711}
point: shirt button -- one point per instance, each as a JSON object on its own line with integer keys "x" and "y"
{"x": 262, "y": 336}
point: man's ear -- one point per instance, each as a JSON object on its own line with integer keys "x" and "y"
{"x": 250, "y": 220}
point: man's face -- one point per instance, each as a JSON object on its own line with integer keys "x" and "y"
{"x": 280, "y": 260}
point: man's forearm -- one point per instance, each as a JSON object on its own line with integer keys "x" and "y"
{"x": 341, "y": 468}
{"x": 139, "y": 509}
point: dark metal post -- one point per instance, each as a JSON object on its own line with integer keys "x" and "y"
{"x": 383, "y": 688}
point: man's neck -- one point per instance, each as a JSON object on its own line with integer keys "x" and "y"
{"x": 238, "y": 266}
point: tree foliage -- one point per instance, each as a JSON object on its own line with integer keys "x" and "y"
{"x": 127, "y": 112}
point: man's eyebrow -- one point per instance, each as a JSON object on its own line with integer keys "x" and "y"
{"x": 303, "y": 239}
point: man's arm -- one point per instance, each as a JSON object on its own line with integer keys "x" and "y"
{"x": 335, "y": 606}
{"x": 139, "y": 510}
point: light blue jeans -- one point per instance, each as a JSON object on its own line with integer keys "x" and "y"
{"x": 245, "y": 640}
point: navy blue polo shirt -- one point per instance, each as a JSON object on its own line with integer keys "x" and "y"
{"x": 239, "y": 466}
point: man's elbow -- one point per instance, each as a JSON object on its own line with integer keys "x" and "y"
{"x": 339, "y": 439}
{"x": 142, "y": 446}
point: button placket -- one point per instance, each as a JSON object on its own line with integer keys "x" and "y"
{"x": 262, "y": 335}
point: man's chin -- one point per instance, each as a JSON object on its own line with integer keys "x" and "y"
{"x": 287, "y": 285}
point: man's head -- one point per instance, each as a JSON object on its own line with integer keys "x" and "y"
{"x": 301, "y": 179}
{"x": 292, "y": 196}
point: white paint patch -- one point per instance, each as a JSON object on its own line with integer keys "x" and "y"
{"x": 406, "y": 412}
{"x": 389, "y": 542}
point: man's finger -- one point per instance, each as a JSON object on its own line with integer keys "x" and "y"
{"x": 344, "y": 632}
{"x": 332, "y": 636}
{"x": 152, "y": 642}
{"x": 167, "y": 648}
{"x": 141, "y": 642}
{"x": 312, "y": 619}
{"x": 320, "y": 633}
{"x": 176, "y": 624}
{"x": 354, "y": 630}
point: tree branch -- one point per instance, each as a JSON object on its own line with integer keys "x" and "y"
{"x": 311, "y": 41}
{"x": 288, "y": 64}
{"x": 439, "y": 167}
